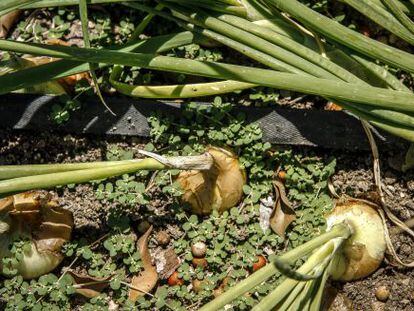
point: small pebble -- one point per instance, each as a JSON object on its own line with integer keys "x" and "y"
{"x": 382, "y": 293}
{"x": 163, "y": 238}
{"x": 199, "y": 249}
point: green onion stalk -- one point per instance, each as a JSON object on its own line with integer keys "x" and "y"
{"x": 406, "y": 6}
{"x": 266, "y": 41}
{"x": 286, "y": 33}
{"x": 63, "y": 68}
{"x": 171, "y": 91}
{"x": 274, "y": 38}
{"x": 352, "y": 248}
{"x": 338, "y": 33}
{"x": 213, "y": 5}
{"x": 278, "y": 38}
{"x": 151, "y": 45}
{"x": 399, "y": 14}
{"x": 341, "y": 231}
{"x": 254, "y": 9}
{"x": 382, "y": 17}
{"x": 363, "y": 67}
{"x": 83, "y": 12}
{"x": 38, "y": 4}
{"x": 232, "y": 7}
{"x": 306, "y": 84}
{"x": 360, "y": 65}
{"x": 284, "y": 36}
{"x": 7, "y": 6}
{"x": 282, "y": 27}
{"x": 19, "y": 178}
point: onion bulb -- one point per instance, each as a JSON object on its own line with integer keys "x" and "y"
{"x": 362, "y": 253}
{"x": 219, "y": 188}
{"x": 42, "y": 223}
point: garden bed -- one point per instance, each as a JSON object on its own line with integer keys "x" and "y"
{"x": 312, "y": 147}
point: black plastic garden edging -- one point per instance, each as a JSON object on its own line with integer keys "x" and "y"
{"x": 327, "y": 129}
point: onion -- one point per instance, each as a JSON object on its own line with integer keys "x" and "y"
{"x": 363, "y": 252}
{"x": 219, "y": 188}
{"x": 352, "y": 247}
{"x": 34, "y": 217}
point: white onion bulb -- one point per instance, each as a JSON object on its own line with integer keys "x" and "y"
{"x": 46, "y": 226}
{"x": 219, "y": 188}
{"x": 364, "y": 251}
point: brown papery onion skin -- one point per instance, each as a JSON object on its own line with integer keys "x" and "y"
{"x": 219, "y": 188}
{"x": 47, "y": 226}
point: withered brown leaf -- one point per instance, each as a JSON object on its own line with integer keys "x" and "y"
{"x": 283, "y": 214}
{"x": 147, "y": 279}
{"x": 87, "y": 285}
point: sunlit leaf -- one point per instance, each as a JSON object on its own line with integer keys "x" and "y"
{"x": 147, "y": 279}
{"x": 283, "y": 214}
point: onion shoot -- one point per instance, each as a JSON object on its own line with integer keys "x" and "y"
{"x": 352, "y": 248}
{"x": 211, "y": 181}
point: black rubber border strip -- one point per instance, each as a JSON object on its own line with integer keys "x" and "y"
{"x": 327, "y": 129}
